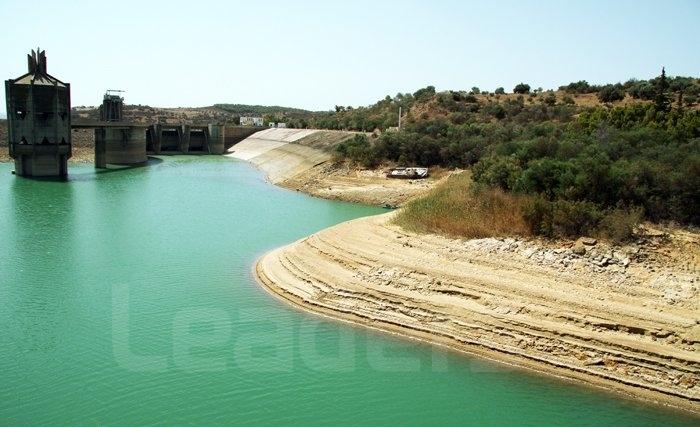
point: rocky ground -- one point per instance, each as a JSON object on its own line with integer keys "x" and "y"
{"x": 626, "y": 318}
{"x": 83, "y": 145}
{"x": 341, "y": 181}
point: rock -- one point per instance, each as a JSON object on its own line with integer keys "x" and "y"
{"x": 579, "y": 249}
{"x": 594, "y": 362}
{"x": 527, "y": 253}
{"x": 588, "y": 241}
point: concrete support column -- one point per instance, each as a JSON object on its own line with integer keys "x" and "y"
{"x": 215, "y": 143}
{"x": 100, "y": 148}
{"x": 185, "y": 139}
{"x": 156, "y": 135}
{"x": 120, "y": 146}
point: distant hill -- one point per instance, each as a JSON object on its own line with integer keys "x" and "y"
{"x": 261, "y": 110}
{"x": 218, "y": 113}
{"x": 463, "y": 105}
{"x": 147, "y": 114}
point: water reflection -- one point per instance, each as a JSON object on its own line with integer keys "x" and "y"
{"x": 41, "y": 233}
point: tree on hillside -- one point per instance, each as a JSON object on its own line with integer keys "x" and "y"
{"x": 425, "y": 93}
{"x": 642, "y": 90}
{"x": 661, "y": 100}
{"x": 521, "y": 88}
{"x": 500, "y": 91}
{"x": 580, "y": 86}
{"x": 475, "y": 91}
{"x": 611, "y": 93}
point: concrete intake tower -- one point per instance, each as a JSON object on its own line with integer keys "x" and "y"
{"x": 38, "y": 121}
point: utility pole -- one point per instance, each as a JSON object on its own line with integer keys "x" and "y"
{"x": 399, "y": 118}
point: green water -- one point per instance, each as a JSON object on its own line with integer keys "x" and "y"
{"x": 126, "y": 297}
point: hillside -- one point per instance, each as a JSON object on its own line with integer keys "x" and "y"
{"x": 566, "y": 101}
{"x": 558, "y": 164}
{"x": 219, "y": 113}
{"x": 147, "y": 114}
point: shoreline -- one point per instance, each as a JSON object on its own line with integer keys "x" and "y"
{"x": 302, "y": 160}
{"x": 305, "y": 294}
{"x": 632, "y": 395}
{"x": 327, "y": 285}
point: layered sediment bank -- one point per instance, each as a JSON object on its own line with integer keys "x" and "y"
{"x": 629, "y": 326}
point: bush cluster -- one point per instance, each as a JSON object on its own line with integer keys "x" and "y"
{"x": 596, "y": 170}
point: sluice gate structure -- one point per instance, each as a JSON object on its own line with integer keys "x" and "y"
{"x": 39, "y": 125}
{"x": 185, "y": 139}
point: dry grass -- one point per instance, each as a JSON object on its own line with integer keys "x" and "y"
{"x": 456, "y": 209}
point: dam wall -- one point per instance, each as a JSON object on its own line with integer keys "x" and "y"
{"x": 235, "y": 134}
{"x": 275, "y": 152}
{"x": 185, "y": 139}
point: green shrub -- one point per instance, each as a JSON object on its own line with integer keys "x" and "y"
{"x": 498, "y": 171}
{"x": 611, "y": 93}
{"x": 538, "y": 213}
{"x": 580, "y": 86}
{"x": 619, "y": 224}
{"x": 574, "y": 218}
{"x": 550, "y": 99}
{"x": 521, "y": 88}
{"x": 359, "y": 150}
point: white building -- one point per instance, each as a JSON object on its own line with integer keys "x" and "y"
{"x": 251, "y": 121}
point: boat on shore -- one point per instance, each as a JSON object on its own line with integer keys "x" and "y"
{"x": 407, "y": 173}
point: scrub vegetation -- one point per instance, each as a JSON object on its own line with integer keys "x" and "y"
{"x": 458, "y": 208}
{"x": 568, "y": 167}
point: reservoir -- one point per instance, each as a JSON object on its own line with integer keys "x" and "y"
{"x": 127, "y": 298}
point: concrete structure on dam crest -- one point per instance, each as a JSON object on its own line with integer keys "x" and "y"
{"x": 39, "y": 123}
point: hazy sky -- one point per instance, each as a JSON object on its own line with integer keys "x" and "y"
{"x": 316, "y": 54}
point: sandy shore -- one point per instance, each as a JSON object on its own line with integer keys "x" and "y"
{"x": 627, "y": 325}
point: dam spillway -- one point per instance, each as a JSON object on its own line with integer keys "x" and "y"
{"x": 187, "y": 139}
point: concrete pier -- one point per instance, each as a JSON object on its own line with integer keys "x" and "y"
{"x": 217, "y": 134}
{"x": 119, "y": 144}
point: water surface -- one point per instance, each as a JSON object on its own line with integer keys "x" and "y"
{"x": 126, "y": 298}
